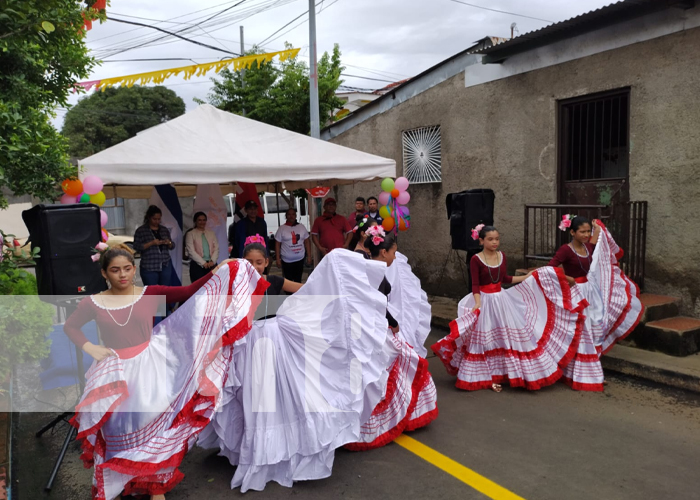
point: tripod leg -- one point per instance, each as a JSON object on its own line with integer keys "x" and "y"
{"x": 53, "y": 423}
{"x": 59, "y": 459}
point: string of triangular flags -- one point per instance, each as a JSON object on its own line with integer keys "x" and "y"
{"x": 188, "y": 72}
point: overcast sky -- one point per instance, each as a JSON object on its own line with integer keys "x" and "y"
{"x": 381, "y": 40}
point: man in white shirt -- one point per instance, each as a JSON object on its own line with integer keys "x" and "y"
{"x": 292, "y": 246}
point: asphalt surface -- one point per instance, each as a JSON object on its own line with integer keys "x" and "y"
{"x": 633, "y": 441}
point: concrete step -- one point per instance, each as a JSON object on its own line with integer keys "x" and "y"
{"x": 658, "y": 307}
{"x": 677, "y": 336}
{"x": 523, "y": 272}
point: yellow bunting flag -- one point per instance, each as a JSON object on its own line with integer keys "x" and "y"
{"x": 188, "y": 72}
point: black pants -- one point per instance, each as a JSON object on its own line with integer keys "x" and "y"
{"x": 196, "y": 271}
{"x": 293, "y": 271}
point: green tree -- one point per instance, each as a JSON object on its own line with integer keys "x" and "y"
{"x": 42, "y": 55}
{"x": 104, "y": 119}
{"x": 279, "y": 95}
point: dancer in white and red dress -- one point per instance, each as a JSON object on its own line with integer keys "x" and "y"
{"x": 522, "y": 336}
{"x": 614, "y": 310}
{"x": 151, "y": 390}
{"x": 309, "y": 377}
{"x": 410, "y": 400}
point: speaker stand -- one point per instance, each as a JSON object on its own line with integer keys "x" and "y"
{"x": 64, "y": 307}
{"x": 452, "y": 256}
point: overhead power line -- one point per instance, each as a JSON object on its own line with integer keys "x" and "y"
{"x": 173, "y": 34}
{"x": 501, "y": 11}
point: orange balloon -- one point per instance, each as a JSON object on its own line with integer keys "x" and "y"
{"x": 72, "y": 187}
{"x": 402, "y": 225}
{"x": 395, "y": 193}
{"x": 388, "y": 223}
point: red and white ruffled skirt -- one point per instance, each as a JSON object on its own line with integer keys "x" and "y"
{"x": 142, "y": 409}
{"x": 613, "y": 312}
{"x": 522, "y": 336}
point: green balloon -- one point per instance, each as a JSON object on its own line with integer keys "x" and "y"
{"x": 384, "y": 212}
{"x": 388, "y": 184}
{"x": 84, "y": 198}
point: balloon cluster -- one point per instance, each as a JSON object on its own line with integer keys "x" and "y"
{"x": 89, "y": 190}
{"x": 393, "y": 199}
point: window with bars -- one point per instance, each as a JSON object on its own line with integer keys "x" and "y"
{"x": 114, "y": 208}
{"x": 422, "y": 158}
{"x": 594, "y": 137}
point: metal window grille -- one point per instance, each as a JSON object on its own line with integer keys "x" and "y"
{"x": 116, "y": 220}
{"x": 422, "y": 158}
{"x": 594, "y": 134}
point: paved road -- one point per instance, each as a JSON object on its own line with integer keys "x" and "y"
{"x": 633, "y": 441}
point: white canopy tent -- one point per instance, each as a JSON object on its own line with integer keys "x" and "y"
{"x": 210, "y": 146}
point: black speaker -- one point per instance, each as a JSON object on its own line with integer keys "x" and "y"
{"x": 65, "y": 235}
{"x": 466, "y": 210}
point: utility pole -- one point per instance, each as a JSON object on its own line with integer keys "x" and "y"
{"x": 313, "y": 91}
{"x": 243, "y": 70}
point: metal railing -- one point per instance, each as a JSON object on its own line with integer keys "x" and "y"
{"x": 628, "y": 225}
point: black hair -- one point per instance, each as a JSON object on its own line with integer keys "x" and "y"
{"x": 485, "y": 230}
{"x": 255, "y": 247}
{"x": 579, "y": 221}
{"x": 197, "y": 215}
{"x": 387, "y": 244}
{"x": 112, "y": 253}
{"x": 372, "y": 198}
{"x": 152, "y": 210}
{"x": 361, "y": 228}
{"x": 360, "y": 198}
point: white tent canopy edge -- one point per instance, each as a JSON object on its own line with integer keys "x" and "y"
{"x": 210, "y": 146}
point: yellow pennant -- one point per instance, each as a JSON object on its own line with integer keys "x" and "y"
{"x": 194, "y": 69}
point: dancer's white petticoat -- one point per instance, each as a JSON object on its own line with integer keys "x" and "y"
{"x": 309, "y": 377}
{"x": 613, "y": 312}
{"x": 142, "y": 410}
{"x": 522, "y": 335}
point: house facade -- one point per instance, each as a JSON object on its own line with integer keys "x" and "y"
{"x": 600, "y": 110}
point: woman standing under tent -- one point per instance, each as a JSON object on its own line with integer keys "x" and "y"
{"x": 310, "y": 377}
{"x": 152, "y": 241}
{"x": 141, "y": 412}
{"x": 590, "y": 265}
{"x": 523, "y": 335}
{"x": 202, "y": 247}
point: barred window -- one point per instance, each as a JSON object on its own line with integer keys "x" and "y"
{"x": 422, "y": 158}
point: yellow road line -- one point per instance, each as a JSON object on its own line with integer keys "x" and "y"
{"x": 464, "y": 474}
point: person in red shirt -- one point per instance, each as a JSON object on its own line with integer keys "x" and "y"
{"x": 359, "y": 211}
{"x": 330, "y": 230}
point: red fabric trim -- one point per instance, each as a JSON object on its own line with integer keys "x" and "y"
{"x": 422, "y": 421}
{"x": 103, "y": 391}
{"x": 188, "y": 416}
{"x": 514, "y": 382}
{"x": 624, "y": 315}
{"x": 491, "y": 288}
{"x": 582, "y": 279}
{"x": 153, "y": 485}
{"x": 578, "y": 386}
{"x": 449, "y": 342}
{"x": 393, "y": 433}
{"x": 132, "y": 352}
{"x": 244, "y": 326}
{"x": 563, "y": 284}
{"x": 620, "y": 254}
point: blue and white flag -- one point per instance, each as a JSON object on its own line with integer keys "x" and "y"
{"x": 165, "y": 197}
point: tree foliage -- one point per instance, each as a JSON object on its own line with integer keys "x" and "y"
{"x": 104, "y": 119}
{"x": 42, "y": 55}
{"x": 279, "y": 95}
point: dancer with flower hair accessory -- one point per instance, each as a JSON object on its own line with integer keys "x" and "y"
{"x": 151, "y": 390}
{"x": 410, "y": 398}
{"x": 309, "y": 377}
{"x": 590, "y": 263}
{"x": 523, "y": 335}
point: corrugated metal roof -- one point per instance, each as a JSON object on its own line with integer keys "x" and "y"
{"x": 609, "y": 15}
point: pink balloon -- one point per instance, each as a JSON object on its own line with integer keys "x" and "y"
{"x": 67, "y": 199}
{"x": 105, "y": 236}
{"x": 103, "y": 218}
{"x": 404, "y": 198}
{"x": 384, "y": 198}
{"x": 401, "y": 184}
{"x": 92, "y": 184}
